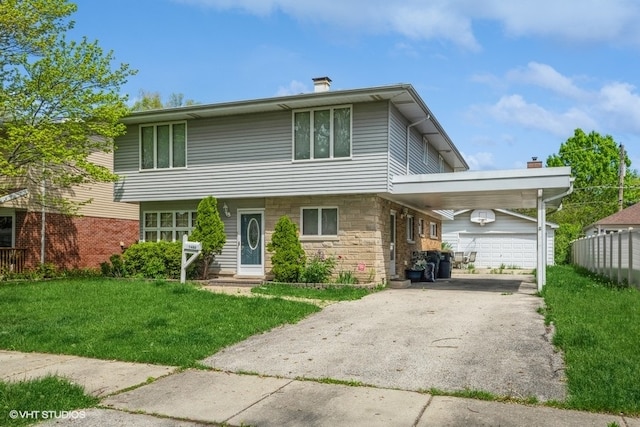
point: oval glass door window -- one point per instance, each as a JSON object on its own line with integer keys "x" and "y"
{"x": 253, "y": 234}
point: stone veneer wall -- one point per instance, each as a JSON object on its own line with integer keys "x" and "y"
{"x": 363, "y": 240}
{"x": 359, "y": 242}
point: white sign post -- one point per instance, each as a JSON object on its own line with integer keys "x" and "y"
{"x": 191, "y": 248}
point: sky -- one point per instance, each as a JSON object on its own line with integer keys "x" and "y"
{"x": 507, "y": 80}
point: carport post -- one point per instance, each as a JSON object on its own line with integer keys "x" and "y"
{"x": 542, "y": 243}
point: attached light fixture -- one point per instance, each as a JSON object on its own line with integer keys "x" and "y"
{"x": 226, "y": 211}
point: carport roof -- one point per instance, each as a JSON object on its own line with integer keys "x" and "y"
{"x": 514, "y": 188}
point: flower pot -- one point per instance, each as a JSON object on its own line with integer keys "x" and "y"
{"x": 413, "y": 275}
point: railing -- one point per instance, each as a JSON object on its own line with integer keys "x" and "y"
{"x": 614, "y": 255}
{"x": 12, "y": 260}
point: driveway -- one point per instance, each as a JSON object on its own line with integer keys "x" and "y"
{"x": 471, "y": 332}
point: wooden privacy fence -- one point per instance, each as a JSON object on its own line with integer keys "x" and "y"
{"x": 12, "y": 260}
{"x": 614, "y": 255}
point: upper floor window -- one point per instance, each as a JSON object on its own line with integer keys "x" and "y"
{"x": 319, "y": 221}
{"x": 425, "y": 151}
{"x": 163, "y": 146}
{"x": 440, "y": 163}
{"x": 322, "y": 133}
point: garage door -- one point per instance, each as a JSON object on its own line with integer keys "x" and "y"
{"x": 510, "y": 250}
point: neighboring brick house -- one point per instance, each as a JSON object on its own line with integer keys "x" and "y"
{"x": 81, "y": 241}
{"x": 621, "y": 220}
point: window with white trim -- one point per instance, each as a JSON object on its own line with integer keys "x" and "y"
{"x": 319, "y": 221}
{"x": 322, "y": 133}
{"x": 425, "y": 151}
{"x": 410, "y": 229}
{"x": 163, "y": 146}
{"x": 169, "y": 226}
{"x": 421, "y": 227}
{"x": 440, "y": 163}
{"x": 433, "y": 230}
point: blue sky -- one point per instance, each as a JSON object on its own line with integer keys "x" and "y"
{"x": 508, "y": 80}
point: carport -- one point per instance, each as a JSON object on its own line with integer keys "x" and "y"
{"x": 539, "y": 188}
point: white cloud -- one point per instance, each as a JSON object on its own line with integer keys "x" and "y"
{"x": 611, "y": 108}
{"x": 546, "y": 77}
{"x": 295, "y": 87}
{"x": 601, "y": 21}
{"x": 513, "y": 109}
{"x": 619, "y": 104}
{"x": 479, "y": 161}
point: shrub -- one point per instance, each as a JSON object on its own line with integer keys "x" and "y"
{"x": 209, "y": 230}
{"x": 153, "y": 260}
{"x": 318, "y": 269}
{"x": 288, "y": 257}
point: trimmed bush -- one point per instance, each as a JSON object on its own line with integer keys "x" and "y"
{"x": 154, "y": 260}
{"x": 288, "y": 257}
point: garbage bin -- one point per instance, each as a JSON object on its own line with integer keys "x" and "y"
{"x": 445, "y": 269}
{"x": 445, "y": 265}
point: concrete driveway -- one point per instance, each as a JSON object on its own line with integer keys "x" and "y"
{"x": 469, "y": 332}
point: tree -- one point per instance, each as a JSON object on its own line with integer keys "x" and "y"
{"x": 288, "y": 259}
{"x": 209, "y": 230}
{"x": 595, "y": 165}
{"x": 60, "y": 102}
{"x": 153, "y": 101}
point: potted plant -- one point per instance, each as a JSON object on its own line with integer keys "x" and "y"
{"x": 417, "y": 269}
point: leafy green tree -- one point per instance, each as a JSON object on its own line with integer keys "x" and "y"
{"x": 209, "y": 230}
{"x": 288, "y": 259}
{"x": 60, "y": 102}
{"x": 153, "y": 101}
{"x": 595, "y": 163}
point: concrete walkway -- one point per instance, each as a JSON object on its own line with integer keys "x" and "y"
{"x": 200, "y": 397}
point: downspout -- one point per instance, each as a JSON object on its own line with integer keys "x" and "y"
{"x": 542, "y": 226}
{"x": 409, "y": 138}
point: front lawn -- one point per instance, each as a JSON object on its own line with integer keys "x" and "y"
{"x": 26, "y": 402}
{"x": 598, "y": 329}
{"x": 134, "y": 320}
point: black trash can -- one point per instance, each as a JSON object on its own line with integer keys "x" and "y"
{"x": 445, "y": 269}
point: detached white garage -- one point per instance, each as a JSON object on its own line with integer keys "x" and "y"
{"x": 498, "y": 236}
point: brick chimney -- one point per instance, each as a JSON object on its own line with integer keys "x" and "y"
{"x": 534, "y": 163}
{"x": 321, "y": 84}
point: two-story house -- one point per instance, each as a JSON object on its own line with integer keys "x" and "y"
{"x": 325, "y": 159}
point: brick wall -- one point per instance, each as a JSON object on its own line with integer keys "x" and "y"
{"x": 73, "y": 242}
{"x": 359, "y": 240}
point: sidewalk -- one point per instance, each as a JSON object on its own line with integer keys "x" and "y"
{"x": 197, "y": 396}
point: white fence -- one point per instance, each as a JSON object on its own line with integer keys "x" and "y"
{"x": 614, "y": 255}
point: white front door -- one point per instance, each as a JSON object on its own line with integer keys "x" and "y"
{"x": 250, "y": 242}
{"x": 392, "y": 247}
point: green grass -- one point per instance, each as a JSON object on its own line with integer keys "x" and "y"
{"x": 134, "y": 320}
{"x": 598, "y": 328}
{"x": 332, "y": 293}
{"x": 32, "y": 398}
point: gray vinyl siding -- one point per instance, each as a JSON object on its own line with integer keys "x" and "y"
{"x": 397, "y": 143}
{"x": 398, "y": 149}
{"x": 251, "y": 156}
{"x": 227, "y": 259}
